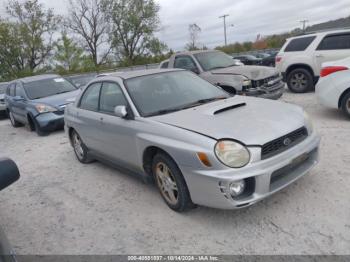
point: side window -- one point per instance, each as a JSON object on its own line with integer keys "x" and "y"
{"x": 165, "y": 65}
{"x": 12, "y": 89}
{"x": 111, "y": 96}
{"x": 299, "y": 44}
{"x": 20, "y": 91}
{"x": 184, "y": 62}
{"x": 335, "y": 42}
{"x": 89, "y": 100}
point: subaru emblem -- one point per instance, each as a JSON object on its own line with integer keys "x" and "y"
{"x": 287, "y": 141}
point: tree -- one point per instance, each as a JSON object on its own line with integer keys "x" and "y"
{"x": 36, "y": 27}
{"x": 11, "y": 55}
{"x": 194, "y": 31}
{"x": 68, "y": 54}
{"x": 134, "y": 24}
{"x": 87, "y": 20}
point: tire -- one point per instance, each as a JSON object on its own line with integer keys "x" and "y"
{"x": 300, "y": 80}
{"x": 80, "y": 150}
{"x": 345, "y": 104}
{"x": 13, "y": 121}
{"x": 169, "y": 178}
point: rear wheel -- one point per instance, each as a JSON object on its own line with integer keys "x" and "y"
{"x": 345, "y": 104}
{"x": 14, "y": 122}
{"x": 171, "y": 183}
{"x": 300, "y": 80}
{"x": 80, "y": 149}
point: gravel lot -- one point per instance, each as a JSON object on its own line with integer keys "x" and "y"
{"x": 63, "y": 207}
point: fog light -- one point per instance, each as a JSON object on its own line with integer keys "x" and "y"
{"x": 237, "y": 188}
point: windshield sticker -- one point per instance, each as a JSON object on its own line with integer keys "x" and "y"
{"x": 58, "y": 80}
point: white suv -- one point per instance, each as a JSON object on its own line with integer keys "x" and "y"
{"x": 300, "y": 59}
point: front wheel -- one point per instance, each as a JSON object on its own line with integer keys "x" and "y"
{"x": 171, "y": 183}
{"x": 80, "y": 149}
{"x": 300, "y": 80}
{"x": 345, "y": 104}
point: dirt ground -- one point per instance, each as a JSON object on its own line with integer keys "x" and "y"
{"x": 63, "y": 207}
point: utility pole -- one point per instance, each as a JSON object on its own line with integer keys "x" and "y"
{"x": 224, "y": 17}
{"x": 304, "y": 24}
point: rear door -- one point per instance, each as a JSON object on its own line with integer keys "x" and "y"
{"x": 332, "y": 47}
{"x": 88, "y": 117}
{"x": 20, "y": 105}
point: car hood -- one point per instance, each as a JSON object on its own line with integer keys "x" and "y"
{"x": 60, "y": 99}
{"x": 252, "y": 121}
{"x": 251, "y": 72}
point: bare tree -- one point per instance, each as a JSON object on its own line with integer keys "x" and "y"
{"x": 194, "y": 31}
{"x": 87, "y": 20}
{"x": 134, "y": 24}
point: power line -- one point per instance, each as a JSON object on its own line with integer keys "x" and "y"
{"x": 224, "y": 17}
{"x": 304, "y": 24}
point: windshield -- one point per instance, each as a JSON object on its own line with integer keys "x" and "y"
{"x": 82, "y": 80}
{"x": 3, "y": 87}
{"x": 48, "y": 87}
{"x": 214, "y": 60}
{"x": 171, "y": 91}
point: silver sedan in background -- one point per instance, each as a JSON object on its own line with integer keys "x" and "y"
{"x": 201, "y": 145}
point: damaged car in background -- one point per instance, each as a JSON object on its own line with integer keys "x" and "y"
{"x": 220, "y": 69}
{"x": 201, "y": 145}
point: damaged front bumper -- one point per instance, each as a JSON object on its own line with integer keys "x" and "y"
{"x": 271, "y": 90}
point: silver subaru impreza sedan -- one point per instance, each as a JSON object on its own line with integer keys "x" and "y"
{"x": 201, "y": 145}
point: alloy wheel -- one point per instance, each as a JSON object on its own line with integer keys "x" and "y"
{"x": 299, "y": 81}
{"x": 166, "y": 183}
{"x": 78, "y": 146}
{"x": 12, "y": 119}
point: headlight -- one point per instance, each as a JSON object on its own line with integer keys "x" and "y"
{"x": 232, "y": 154}
{"x": 308, "y": 123}
{"x": 45, "y": 108}
{"x": 247, "y": 83}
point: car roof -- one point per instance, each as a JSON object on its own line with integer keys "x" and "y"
{"x": 138, "y": 73}
{"x": 196, "y": 52}
{"x": 36, "y": 78}
{"x": 321, "y": 33}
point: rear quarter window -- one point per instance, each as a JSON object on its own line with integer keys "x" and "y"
{"x": 299, "y": 44}
{"x": 335, "y": 42}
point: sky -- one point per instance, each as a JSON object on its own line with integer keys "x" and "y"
{"x": 248, "y": 17}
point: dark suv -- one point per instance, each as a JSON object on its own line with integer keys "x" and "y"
{"x": 39, "y": 102}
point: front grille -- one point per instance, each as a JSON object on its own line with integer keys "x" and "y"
{"x": 265, "y": 81}
{"x": 283, "y": 143}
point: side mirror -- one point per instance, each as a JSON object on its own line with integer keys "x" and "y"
{"x": 195, "y": 70}
{"x": 121, "y": 111}
{"x": 9, "y": 173}
{"x": 18, "y": 98}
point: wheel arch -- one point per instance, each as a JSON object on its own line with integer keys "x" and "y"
{"x": 228, "y": 88}
{"x": 148, "y": 155}
{"x": 300, "y": 65}
{"x": 346, "y": 91}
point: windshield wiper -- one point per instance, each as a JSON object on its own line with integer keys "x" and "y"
{"x": 204, "y": 101}
{"x": 163, "y": 112}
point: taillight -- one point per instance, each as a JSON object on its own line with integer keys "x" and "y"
{"x": 278, "y": 59}
{"x": 332, "y": 69}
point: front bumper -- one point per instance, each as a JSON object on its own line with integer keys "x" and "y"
{"x": 269, "y": 176}
{"x": 49, "y": 122}
{"x": 273, "y": 92}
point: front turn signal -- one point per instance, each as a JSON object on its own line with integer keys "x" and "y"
{"x": 204, "y": 159}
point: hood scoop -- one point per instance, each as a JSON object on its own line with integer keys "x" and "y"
{"x": 222, "y": 110}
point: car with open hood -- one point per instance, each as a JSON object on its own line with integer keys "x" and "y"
{"x": 220, "y": 69}
{"x": 39, "y": 102}
{"x": 201, "y": 145}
